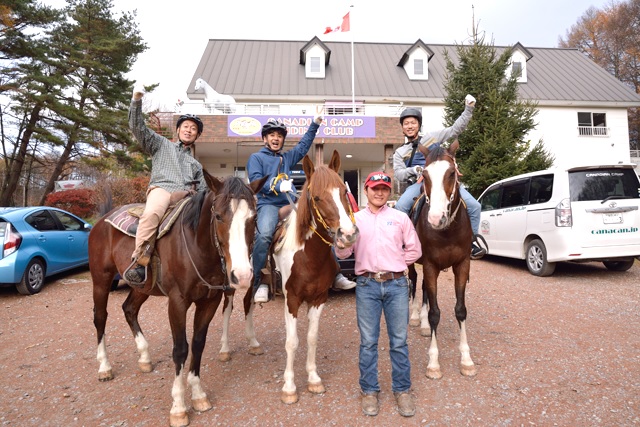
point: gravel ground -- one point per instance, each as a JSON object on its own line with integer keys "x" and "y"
{"x": 562, "y": 350}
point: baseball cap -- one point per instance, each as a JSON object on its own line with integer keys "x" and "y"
{"x": 377, "y": 178}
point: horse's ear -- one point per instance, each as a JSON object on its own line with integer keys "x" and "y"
{"x": 335, "y": 161}
{"x": 257, "y": 184}
{"x": 213, "y": 183}
{"x": 307, "y": 166}
{"x": 424, "y": 150}
{"x": 454, "y": 147}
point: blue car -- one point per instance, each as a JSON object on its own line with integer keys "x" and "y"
{"x": 37, "y": 242}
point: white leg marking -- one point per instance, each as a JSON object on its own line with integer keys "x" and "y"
{"x": 291, "y": 345}
{"x": 177, "y": 392}
{"x": 249, "y": 329}
{"x": 312, "y": 343}
{"x": 196, "y": 387}
{"x": 105, "y": 366}
{"x": 433, "y": 367}
{"x": 224, "y": 340}
{"x": 143, "y": 349}
{"x": 466, "y": 363}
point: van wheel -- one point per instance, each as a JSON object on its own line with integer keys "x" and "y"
{"x": 536, "y": 258}
{"x": 619, "y": 265}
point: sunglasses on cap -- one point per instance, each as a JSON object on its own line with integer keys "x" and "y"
{"x": 379, "y": 177}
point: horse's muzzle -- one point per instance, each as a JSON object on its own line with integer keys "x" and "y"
{"x": 346, "y": 238}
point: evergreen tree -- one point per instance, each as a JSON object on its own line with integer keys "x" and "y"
{"x": 493, "y": 146}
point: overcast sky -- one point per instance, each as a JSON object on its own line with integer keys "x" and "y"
{"x": 177, "y": 32}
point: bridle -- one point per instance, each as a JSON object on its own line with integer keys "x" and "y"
{"x": 318, "y": 217}
{"x": 451, "y": 216}
{"x": 213, "y": 236}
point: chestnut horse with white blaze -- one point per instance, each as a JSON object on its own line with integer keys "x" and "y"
{"x": 308, "y": 266}
{"x": 205, "y": 253}
{"x": 445, "y": 234}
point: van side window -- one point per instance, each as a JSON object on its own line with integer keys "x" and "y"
{"x": 541, "y": 188}
{"x": 514, "y": 194}
{"x": 490, "y": 200}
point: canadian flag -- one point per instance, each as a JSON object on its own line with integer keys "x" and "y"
{"x": 343, "y": 28}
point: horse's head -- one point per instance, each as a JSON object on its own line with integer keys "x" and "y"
{"x": 323, "y": 205}
{"x": 233, "y": 226}
{"x": 199, "y": 84}
{"x": 441, "y": 185}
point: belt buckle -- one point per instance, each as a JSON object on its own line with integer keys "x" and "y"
{"x": 378, "y": 277}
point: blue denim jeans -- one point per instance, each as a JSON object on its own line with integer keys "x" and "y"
{"x": 473, "y": 206}
{"x": 265, "y": 227}
{"x": 372, "y": 299}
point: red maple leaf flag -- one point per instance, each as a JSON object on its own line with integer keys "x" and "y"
{"x": 342, "y": 28}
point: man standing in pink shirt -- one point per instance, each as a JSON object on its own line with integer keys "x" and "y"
{"x": 387, "y": 243}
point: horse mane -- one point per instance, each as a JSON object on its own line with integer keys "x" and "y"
{"x": 322, "y": 177}
{"x": 232, "y": 188}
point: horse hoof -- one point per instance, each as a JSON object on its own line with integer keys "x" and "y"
{"x": 434, "y": 374}
{"x": 224, "y": 357}
{"x": 316, "y": 388}
{"x": 289, "y": 398}
{"x": 256, "y": 351}
{"x": 414, "y": 322}
{"x": 201, "y": 405}
{"x": 145, "y": 367}
{"x": 425, "y": 332}
{"x": 468, "y": 370}
{"x": 179, "y": 420}
{"x": 105, "y": 376}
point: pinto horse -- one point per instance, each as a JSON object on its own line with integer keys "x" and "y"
{"x": 445, "y": 234}
{"x": 308, "y": 266}
{"x": 205, "y": 253}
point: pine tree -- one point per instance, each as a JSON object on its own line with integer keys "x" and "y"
{"x": 493, "y": 146}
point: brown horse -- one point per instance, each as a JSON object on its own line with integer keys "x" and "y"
{"x": 445, "y": 234}
{"x": 205, "y": 253}
{"x": 307, "y": 263}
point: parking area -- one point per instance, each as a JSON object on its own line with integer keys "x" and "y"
{"x": 560, "y": 350}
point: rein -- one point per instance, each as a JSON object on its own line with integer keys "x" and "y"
{"x": 320, "y": 219}
{"x": 214, "y": 238}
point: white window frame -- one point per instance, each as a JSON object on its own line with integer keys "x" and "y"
{"x": 316, "y": 56}
{"x": 518, "y": 58}
{"x": 410, "y": 68}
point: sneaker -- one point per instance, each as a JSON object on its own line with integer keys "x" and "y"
{"x": 262, "y": 294}
{"x": 342, "y": 283}
{"x": 136, "y": 275}
{"x": 370, "y": 404}
{"x": 477, "y": 252}
{"x": 406, "y": 407}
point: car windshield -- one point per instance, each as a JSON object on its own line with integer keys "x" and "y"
{"x": 600, "y": 184}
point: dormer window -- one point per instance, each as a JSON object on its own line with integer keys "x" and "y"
{"x": 415, "y": 61}
{"x": 315, "y": 62}
{"x": 518, "y": 63}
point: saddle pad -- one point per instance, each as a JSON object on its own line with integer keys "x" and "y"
{"x": 127, "y": 217}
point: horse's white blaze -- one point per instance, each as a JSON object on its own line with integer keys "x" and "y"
{"x": 312, "y": 343}
{"x": 196, "y": 387}
{"x": 347, "y": 227}
{"x": 238, "y": 250}
{"x": 177, "y": 392}
{"x": 439, "y": 202}
{"x": 105, "y": 366}
{"x": 143, "y": 348}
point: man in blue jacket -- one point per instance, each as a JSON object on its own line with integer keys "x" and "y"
{"x": 271, "y": 161}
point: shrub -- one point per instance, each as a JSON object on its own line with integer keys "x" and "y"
{"x": 80, "y": 202}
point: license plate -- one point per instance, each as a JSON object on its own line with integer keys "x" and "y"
{"x": 612, "y": 218}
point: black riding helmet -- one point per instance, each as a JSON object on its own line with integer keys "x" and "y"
{"x": 411, "y": 112}
{"x": 193, "y": 118}
{"x": 274, "y": 125}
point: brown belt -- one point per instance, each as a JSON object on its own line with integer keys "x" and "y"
{"x": 383, "y": 276}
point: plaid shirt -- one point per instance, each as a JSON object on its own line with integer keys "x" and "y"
{"x": 173, "y": 166}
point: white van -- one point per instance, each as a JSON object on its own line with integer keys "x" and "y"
{"x": 584, "y": 213}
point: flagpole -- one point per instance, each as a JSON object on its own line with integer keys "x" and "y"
{"x": 353, "y": 79}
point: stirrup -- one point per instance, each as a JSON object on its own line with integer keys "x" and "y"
{"x": 130, "y": 268}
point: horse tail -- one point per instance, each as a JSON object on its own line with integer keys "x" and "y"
{"x": 106, "y": 203}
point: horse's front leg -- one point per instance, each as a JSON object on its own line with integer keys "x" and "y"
{"x": 101, "y": 289}
{"x": 131, "y": 308}
{"x": 249, "y": 330}
{"x": 461, "y": 272}
{"x": 205, "y": 309}
{"x": 289, "y": 393}
{"x": 177, "y": 319}
{"x": 224, "y": 355}
{"x": 430, "y": 288}
{"x": 314, "y": 382}
{"x": 414, "y": 303}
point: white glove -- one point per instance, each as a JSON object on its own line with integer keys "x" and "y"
{"x": 138, "y": 92}
{"x": 286, "y": 185}
{"x": 318, "y": 119}
{"x": 469, "y": 100}
{"x": 417, "y": 170}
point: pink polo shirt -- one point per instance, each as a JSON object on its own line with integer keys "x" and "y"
{"x": 379, "y": 247}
